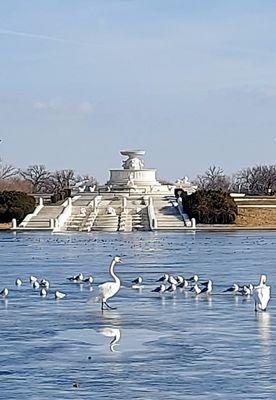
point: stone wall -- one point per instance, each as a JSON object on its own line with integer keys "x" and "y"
{"x": 256, "y": 217}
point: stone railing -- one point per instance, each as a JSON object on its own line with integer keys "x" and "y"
{"x": 64, "y": 215}
{"x": 181, "y": 211}
{"x": 91, "y": 215}
{"x": 151, "y": 214}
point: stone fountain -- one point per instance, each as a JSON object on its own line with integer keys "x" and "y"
{"x": 133, "y": 175}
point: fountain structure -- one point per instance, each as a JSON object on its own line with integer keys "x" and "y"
{"x": 134, "y": 177}
{"x": 131, "y": 199}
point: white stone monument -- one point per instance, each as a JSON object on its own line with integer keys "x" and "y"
{"x": 133, "y": 175}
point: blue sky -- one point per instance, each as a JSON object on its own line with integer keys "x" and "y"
{"x": 191, "y": 82}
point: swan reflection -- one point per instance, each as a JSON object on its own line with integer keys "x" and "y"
{"x": 263, "y": 323}
{"x": 115, "y": 333}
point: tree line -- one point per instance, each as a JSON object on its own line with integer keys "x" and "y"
{"x": 38, "y": 179}
{"x": 257, "y": 180}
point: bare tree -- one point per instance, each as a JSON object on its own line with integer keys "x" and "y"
{"x": 63, "y": 179}
{"x": 215, "y": 179}
{"x": 38, "y": 176}
{"x": 7, "y": 171}
{"x": 257, "y": 180}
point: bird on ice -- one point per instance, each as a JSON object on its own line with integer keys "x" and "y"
{"x": 208, "y": 287}
{"x": 33, "y": 279}
{"x": 89, "y": 280}
{"x": 4, "y": 292}
{"x": 196, "y": 289}
{"x": 261, "y": 294}
{"x": 109, "y": 289}
{"x": 59, "y": 295}
{"x": 160, "y": 289}
{"x": 136, "y": 283}
{"x": 164, "y": 279}
{"x": 18, "y": 282}
{"x": 43, "y": 292}
{"x": 233, "y": 289}
{"x": 76, "y": 278}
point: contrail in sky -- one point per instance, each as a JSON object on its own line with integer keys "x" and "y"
{"x": 38, "y": 36}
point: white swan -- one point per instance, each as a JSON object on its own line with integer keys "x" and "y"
{"x": 261, "y": 294}
{"x": 109, "y": 289}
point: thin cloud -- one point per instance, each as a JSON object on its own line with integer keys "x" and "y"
{"x": 42, "y": 37}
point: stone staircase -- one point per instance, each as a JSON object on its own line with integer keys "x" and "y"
{"x": 168, "y": 217}
{"x": 104, "y": 221}
{"x": 42, "y": 219}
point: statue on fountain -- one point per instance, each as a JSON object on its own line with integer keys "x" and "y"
{"x": 133, "y": 162}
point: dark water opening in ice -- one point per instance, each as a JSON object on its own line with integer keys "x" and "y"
{"x": 150, "y": 347}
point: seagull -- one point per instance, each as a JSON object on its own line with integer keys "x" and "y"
{"x": 76, "y": 278}
{"x": 109, "y": 289}
{"x": 171, "y": 288}
{"x": 164, "y": 279}
{"x": 33, "y": 279}
{"x": 179, "y": 279}
{"x": 89, "y": 280}
{"x": 36, "y": 285}
{"x": 59, "y": 295}
{"x": 137, "y": 283}
{"x": 233, "y": 289}
{"x": 208, "y": 287}
{"x": 43, "y": 292}
{"x": 5, "y": 292}
{"x": 261, "y": 294}
{"x": 160, "y": 289}
{"x": 251, "y": 288}
{"x": 193, "y": 278}
{"x": 184, "y": 284}
{"x": 196, "y": 289}
{"x": 172, "y": 280}
{"x": 45, "y": 283}
{"x": 245, "y": 291}
{"x": 18, "y": 282}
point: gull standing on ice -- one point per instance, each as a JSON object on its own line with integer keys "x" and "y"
{"x": 59, "y": 295}
{"x": 136, "y": 283}
{"x": 160, "y": 289}
{"x": 4, "y": 292}
{"x": 18, "y": 282}
{"x": 233, "y": 289}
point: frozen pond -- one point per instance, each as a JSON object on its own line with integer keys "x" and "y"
{"x": 173, "y": 347}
